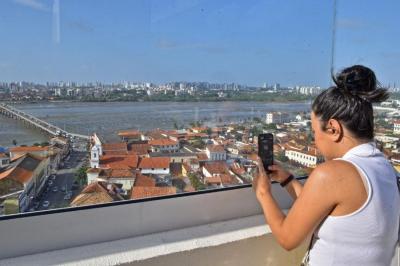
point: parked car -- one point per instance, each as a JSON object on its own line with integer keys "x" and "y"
{"x": 55, "y": 189}
{"x": 63, "y": 188}
{"x": 53, "y": 177}
{"x": 46, "y": 204}
{"x": 50, "y": 182}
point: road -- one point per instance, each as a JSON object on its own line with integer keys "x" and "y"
{"x": 64, "y": 178}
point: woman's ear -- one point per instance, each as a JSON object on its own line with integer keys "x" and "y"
{"x": 334, "y": 128}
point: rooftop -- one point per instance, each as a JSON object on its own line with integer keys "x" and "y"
{"x": 154, "y": 162}
{"x": 162, "y": 142}
{"x": 29, "y": 149}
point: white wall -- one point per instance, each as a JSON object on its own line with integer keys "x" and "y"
{"x": 85, "y": 225}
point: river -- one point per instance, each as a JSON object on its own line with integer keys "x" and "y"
{"x": 108, "y": 118}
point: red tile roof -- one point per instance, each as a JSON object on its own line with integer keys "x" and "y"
{"x": 119, "y": 162}
{"x": 215, "y": 148}
{"x": 120, "y": 146}
{"x": 154, "y": 162}
{"x": 217, "y": 167}
{"x": 3, "y": 155}
{"x": 129, "y": 133}
{"x": 146, "y": 192}
{"x": 144, "y": 181}
{"x": 96, "y": 193}
{"x": 202, "y": 157}
{"x": 162, "y": 142}
{"x": 29, "y": 149}
{"x": 224, "y": 179}
{"x": 23, "y": 170}
{"x": 121, "y": 173}
{"x": 140, "y": 149}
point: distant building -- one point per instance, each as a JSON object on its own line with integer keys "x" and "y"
{"x": 145, "y": 187}
{"x": 96, "y": 193}
{"x": 277, "y": 118}
{"x": 309, "y": 158}
{"x": 25, "y": 176}
{"x": 156, "y": 165}
{"x": 96, "y": 151}
{"x": 130, "y": 135}
{"x": 4, "y": 160}
{"x": 164, "y": 145}
{"x": 217, "y": 174}
{"x": 396, "y": 127}
{"x": 216, "y": 153}
{"x": 16, "y": 152}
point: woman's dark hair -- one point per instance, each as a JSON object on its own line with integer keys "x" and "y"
{"x": 350, "y": 101}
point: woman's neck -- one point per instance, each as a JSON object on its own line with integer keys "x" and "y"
{"x": 346, "y": 144}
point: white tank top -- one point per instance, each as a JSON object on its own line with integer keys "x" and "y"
{"x": 368, "y": 236}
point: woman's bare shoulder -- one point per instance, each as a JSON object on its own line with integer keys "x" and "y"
{"x": 332, "y": 172}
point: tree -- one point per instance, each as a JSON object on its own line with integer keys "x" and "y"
{"x": 81, "y": 176}
{"x": 271, "y": 126}
{"x": 198, "y": 143}
{"x": 282, "y": 157}
{"x": 257, "y": 120}
{"x": 196, "y": 182}
{"x": 178, "y": 183}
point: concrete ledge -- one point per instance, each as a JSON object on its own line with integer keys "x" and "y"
{"x": 150, "y": 246}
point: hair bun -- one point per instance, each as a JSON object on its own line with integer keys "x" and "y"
{"x": 360, "y": 81}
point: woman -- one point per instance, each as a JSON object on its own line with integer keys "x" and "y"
{"x": 350, "y": 203}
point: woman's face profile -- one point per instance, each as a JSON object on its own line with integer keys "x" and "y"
{"x": 322, "y": 142}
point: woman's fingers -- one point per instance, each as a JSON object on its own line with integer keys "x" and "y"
{"x": 274, "y": 167}
{"x": 260, "y": 165}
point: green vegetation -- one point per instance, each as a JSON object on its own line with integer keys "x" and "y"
{"x": 198, "y": 143}
{"x": 196, "y": 182}
{"x": 282, "y": 157}
{"x": 179, "y": 184}
{"x": 81, "y": 176}
{"x": 11, "y": 206}
{"x": 208, "y": 96}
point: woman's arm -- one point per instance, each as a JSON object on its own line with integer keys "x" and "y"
{"x": 294, "y": 188}
{"x": 313, "y": 204}
{"x": 279, "y": 174}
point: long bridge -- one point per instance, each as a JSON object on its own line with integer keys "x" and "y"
{"x": 44, "y": 126}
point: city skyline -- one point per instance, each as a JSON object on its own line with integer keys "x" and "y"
{"x": 199, "y": 41}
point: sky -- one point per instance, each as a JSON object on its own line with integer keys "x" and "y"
{"x": 248, "y": 42}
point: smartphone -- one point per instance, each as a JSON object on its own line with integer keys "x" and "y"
{"x": 266, "y": 149}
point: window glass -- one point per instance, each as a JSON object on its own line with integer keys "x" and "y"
{"x": 130, "y": 99}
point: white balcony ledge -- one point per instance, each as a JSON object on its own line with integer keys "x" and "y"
{"x": 177, "y": 244}
{"x": 209, "y": 228}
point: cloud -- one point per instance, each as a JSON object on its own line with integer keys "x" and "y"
{"x": 34, "y": 4}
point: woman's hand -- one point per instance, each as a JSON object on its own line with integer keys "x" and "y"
{"x": 277, "y": 173}
{"x": 261, "y": 182}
